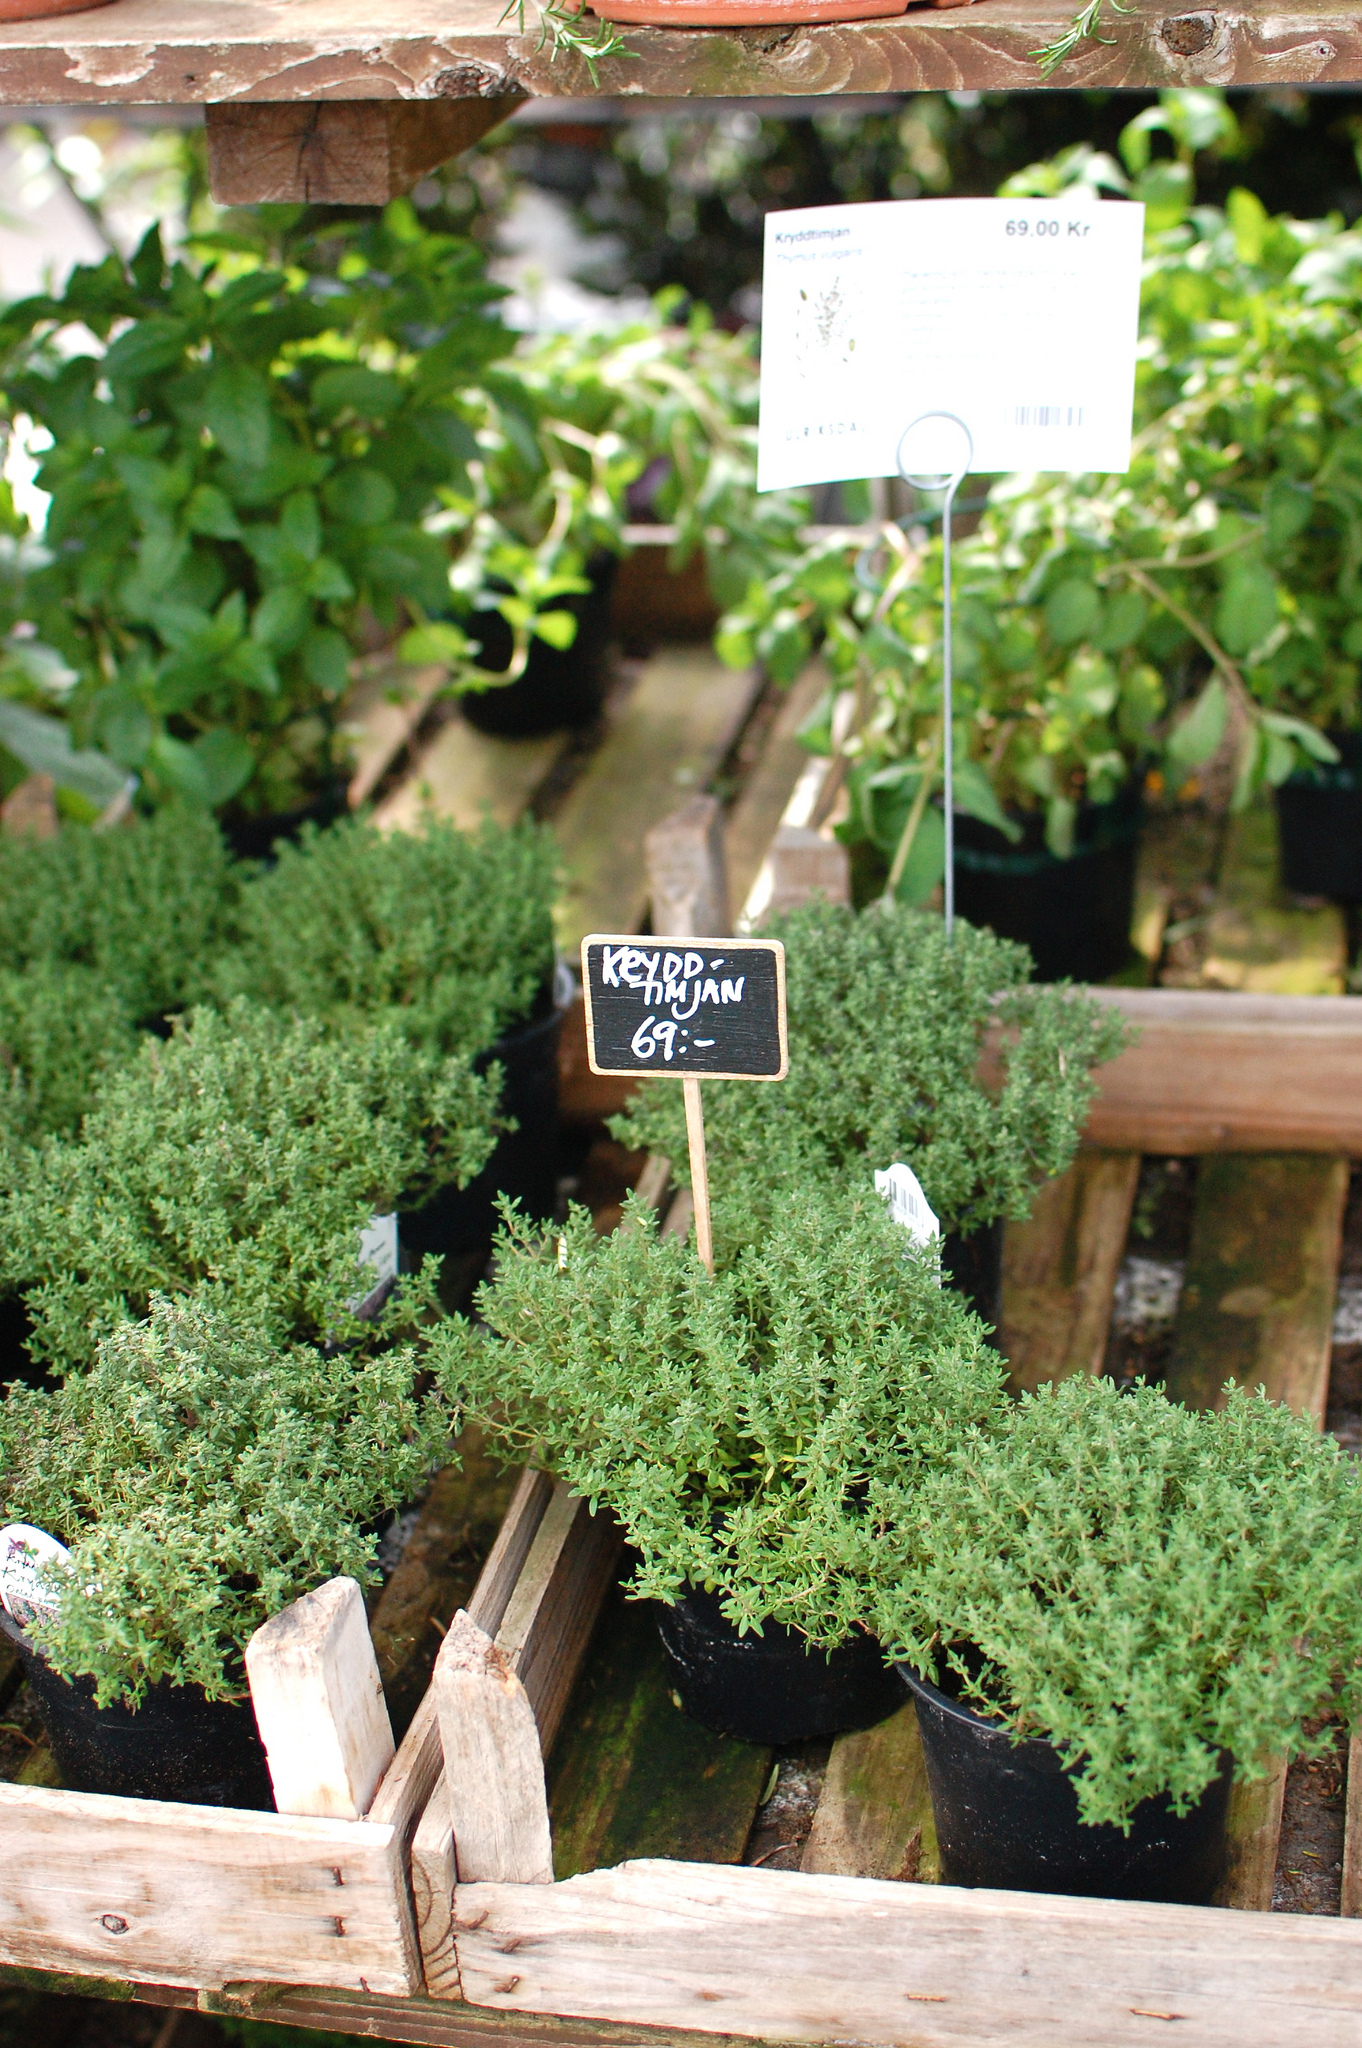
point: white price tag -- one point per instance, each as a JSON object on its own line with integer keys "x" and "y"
{"x": 378, "y": 1251}
{"x": 23, "y": 1551}
{"x": 908, "y": 1205}
{"x": 1020, "y": 316}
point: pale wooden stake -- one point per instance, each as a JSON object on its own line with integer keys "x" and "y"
{"x": 494, "y": 1772}
{"x": 319, "y": 1704}
{"x": 699, "y": 1171}
{"x": 1351, "y": 1904}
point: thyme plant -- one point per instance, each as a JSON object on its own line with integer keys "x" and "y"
{"x": 891, "y": 1026}
{"x": 60, "y": 1028}
{"x": 449, "y": 933}
{"x": 1145, "y": 1585}
{"x": 732, "y": 1424}
{"x": 243, "y": 1159}
{"x": 201, "y": 1481}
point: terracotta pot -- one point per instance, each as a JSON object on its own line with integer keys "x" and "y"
{"x": 746, "y": 13}
{"x": 37, "y": 10}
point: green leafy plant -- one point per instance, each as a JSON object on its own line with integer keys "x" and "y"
{"x": 1144, "y": 1585}
{"x": 201, "y": 1481}
{"x": 60, "y": 1028}
{"x": 243, "y": 1158}
{"x": 563, "y": 32}
{"x": 238, "y": 470}
{"x": 904, "y": 1045}
{"x": 730, "y": 1424}
{"x": 448, "y": 933}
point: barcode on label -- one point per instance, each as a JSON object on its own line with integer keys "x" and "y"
{"x": 1047, "y": 415}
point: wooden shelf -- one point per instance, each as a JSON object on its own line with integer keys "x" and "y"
{"x": 438, "y": 51}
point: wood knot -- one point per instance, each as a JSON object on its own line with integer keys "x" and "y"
{"x": 113, "y": 1923}
{"x": 763, "y": 42}
{"x": 469, "y": 82}
{"x": 1187, "y": 35}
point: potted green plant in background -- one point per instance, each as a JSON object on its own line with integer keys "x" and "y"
{"x": 1110, "y": 1606}
{"x": 200, "y": 1479}
{"x": 245, "y": 1157}
{"x": 730, "y": 1425}
{"x": 448, "y": 936}
{"x": 904, "y": 1046}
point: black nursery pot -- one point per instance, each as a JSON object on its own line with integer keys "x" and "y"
{"x": 256, "y": 838}
{"x": 524, "y": 1163}
{"x": 177, "y": 1745}
{"x": 561, "y": 687}
{"x": 973, "y": 1264}
{"x": 772, "y": 1687}
{"x": 1074, "y": 914}
{"x": 1319, "y": 825}
{"x": 1007, "y": 1817}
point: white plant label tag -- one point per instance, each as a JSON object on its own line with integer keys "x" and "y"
{"x": 1019, "y": 316}
{"x": 23, "y": 1551}
{"x": 378, "y": 1251}
{"x": 908, "y": 1205}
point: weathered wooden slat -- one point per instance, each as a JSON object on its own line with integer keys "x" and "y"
{"x": 874, "y": 1816}
{"x": 1255, "y": 1828}
{"x": 632, "y": 1775}
{"x": 1060, "y": 1266}
{"x": 382, "y": 712}
{"x": 758, "y": 811}
{"x": 161, "y": 1893}
{"x": 319, "y": 1703}
{"x": 688, "y": 872}
{"x": 1257, "y": 1304}
{"x": 1351, "y": 1903}
{"x": 494, "y": 1774}
{"x": 785, "y": 1956}
{"x": 152, "y": 50}
{"x": 465, "y": 776}
{"x": 1215, "y": 1072}
{"x": 357, "y": 152}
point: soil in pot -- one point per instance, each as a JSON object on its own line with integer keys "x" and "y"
{"x": 1074, "y": 914}
{"x": 1007, "y": 1817}
{"x": 524, "y": 1164}
{"x": 177, "y": 1745}
{"x": 254, "y": 838}
{"x": 1319, "y": 824}
{"x": 561, "y": 687}
{"x": 973, "y": 1265}
{"x": 772, "y": 1687}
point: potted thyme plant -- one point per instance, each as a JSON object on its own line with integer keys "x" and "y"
{"x": 199, "y": 1481}
{"x": 904, "y": 1045}
{"x": 731, "y": 1425}
{"x": 448, "y": 936}
{"x": 1107, "y": 1606}
{"x": 246, "y": 1156}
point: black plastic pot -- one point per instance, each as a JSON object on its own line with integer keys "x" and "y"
{"x": 560, "y": 687}
{"x": 1319, "y": 825}
{"x": 973, "y": 1265}
{"x": 1007, "y": 1817}
{"x": 256, "y": 838}
{"x": 176, "y": 1745}
{"x": 772, "y": 1687}
{"x": 1073, "y": 914}
{"x": 524, "y": 1164}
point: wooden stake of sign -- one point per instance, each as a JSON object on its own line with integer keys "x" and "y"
{"x": 699, "y": 1171}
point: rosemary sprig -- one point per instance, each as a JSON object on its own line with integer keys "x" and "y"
{"x": 560, "y": 28}
{"x": 1083, "y": 27}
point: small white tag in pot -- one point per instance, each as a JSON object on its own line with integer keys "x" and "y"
{"x": 24, "y": 1550}
{"x": 377, "y": 1251}
{"x": 908, "y": 1205}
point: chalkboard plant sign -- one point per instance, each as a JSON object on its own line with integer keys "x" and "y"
{"x": 699, "y": 1010}
{"x": 732, "y": 1425}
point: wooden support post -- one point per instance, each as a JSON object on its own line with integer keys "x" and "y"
{"x": 1060, "y": 1267}
{"x": 699, "y": 1171}
{"x": 494, "y": 1770}
{"x": 1350, "y": 1905}
{"x": 339, "y": 152}
{"x": 319, "y": 1704}
{"x": 687, "y": 872}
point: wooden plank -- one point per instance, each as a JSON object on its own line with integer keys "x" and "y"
{"x": 1257, "y": 939}
{"x": 666, "y": 739}
{"x": 1060, "y": 1267}
{"x": 758, "y": 811}
{"x": 551, "y": 1614}
{"x": 465, "y": 775}
{"x": 357, "y": 152}
{"x": 494, "y": 1773}
{"x": 1351, "y": 1904}
{"x": 381, "y": 713}
{"x": 1255, "y": 1827}
{"x": 319, "y": 1703}
{"x": 874, "y": 1816}
{"x": 687, "y": 872}
{"x": 787, "y": 1956}
{"x": 1214, "y": 1072}
{"x": 632, "y": 1775}
{"x": 1257, "y": 1304}
{"x": 161, "y": 1893}
{"x": 156, "y": 51}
